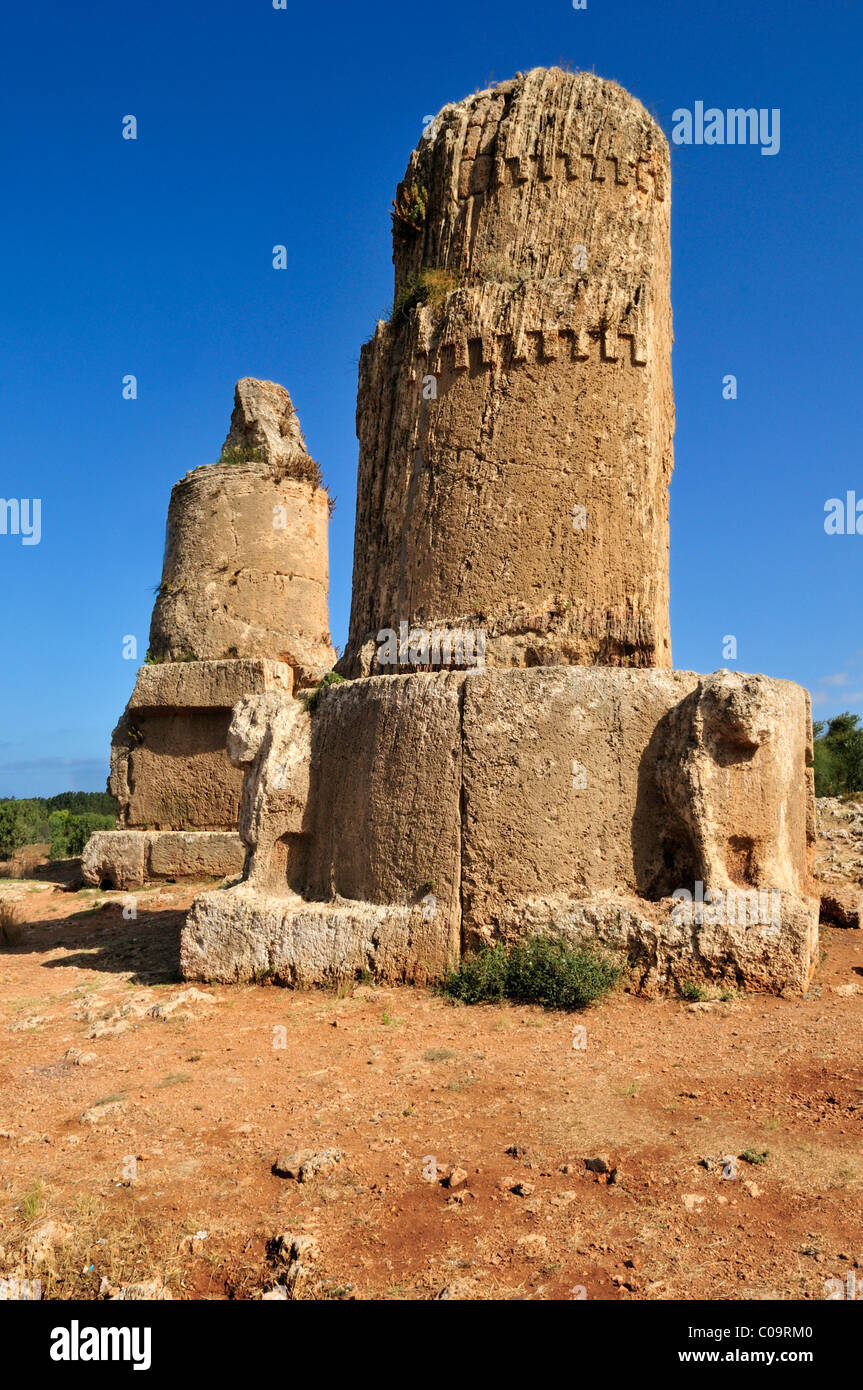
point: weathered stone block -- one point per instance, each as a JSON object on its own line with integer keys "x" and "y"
{"x": 661, "y": 813}
{"x": 195, "y": 854}
{"x": 169, "y": 768}
{"x": 187, "y": 685}
{"x": 116, "y": 856}
{"x": 130, "y": 858}
{"x": 240, "y": 934}
{"x": 534, "y": 382}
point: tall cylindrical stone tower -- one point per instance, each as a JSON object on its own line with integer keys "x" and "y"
{"x": 515, "y": 415}
{"x": 246, "y": 568}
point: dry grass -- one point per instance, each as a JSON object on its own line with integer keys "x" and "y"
{"x": 116, "y": 1243}
{"x": 11, "y": 926}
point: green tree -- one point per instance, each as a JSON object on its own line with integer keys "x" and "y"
{"x": 838, "y": 759}
{"x": 59, "y": 823}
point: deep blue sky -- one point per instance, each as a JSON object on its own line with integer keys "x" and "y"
{"x": 259, "y": 126}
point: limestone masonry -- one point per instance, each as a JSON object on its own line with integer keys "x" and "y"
{"x": 246, "y": 570}
{"x": 516, "y": 437}
{"x": 242, "y": 609}
{"x": 515, "y": 420}
{"x": 409, "y": 818}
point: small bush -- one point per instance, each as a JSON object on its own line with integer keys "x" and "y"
{"x": 542, "y": 970}
{"x": 752, "y": 1156}
{"x": 409, "y": 208}
{"x": 838, "y": 759}
{"x": 692, "y": 992}
{"x": 310, "y": 697}
{"x": 427, "y": 287}
{"x": 33, "y": 1201}
{"x": 70, "y": 833}
{"x": 241, "y": 454}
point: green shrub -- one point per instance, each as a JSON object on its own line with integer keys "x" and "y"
{"x": 541, "y": 970}
{"x": 838, "y": 757}
{"x": 693, "y": 992}
{"x": 409, "y": 208}
{"x": 239, "y": 453}
{"x": 753, "y": 1156}
{"x": 310, "y": 697}
{"x": 69, "y": 833}
{"x": 480, "y": 977}
{"x": 427, "y": 287}
{"x": 28, "y": 821}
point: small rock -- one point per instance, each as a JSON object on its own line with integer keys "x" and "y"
{"x": 458, "y": 1289}
{"x": 457, "y": 1177}
{"x": 168, "y": 1008}
{"x": 842, "y": 907}
{"x": 193, "y": 1245}
{"x": 596, "y": 1165}
{"x": 532, "y": 1247}
{"x": 149, "y": 1291}
{"x": 522, "y": 1189}
{"x": 296, "y": 1247}
{"x": 100, "y": 1114}
{"x": 307, "y": 1163}
{"x": 105, "y": 1029}
{"x": 41, "y": 1244}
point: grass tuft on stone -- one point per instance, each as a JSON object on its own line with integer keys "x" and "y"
{"x": 311, "y": 697}
{"x": 429, "y": 286}
{"x": 541, "y": 970}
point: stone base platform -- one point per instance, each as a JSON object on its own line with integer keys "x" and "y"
{"x": 178, "y": 796}
{"x": 236, "y": 934}
{"x": 404, "y": 820}
{"x": 131, "y": 858}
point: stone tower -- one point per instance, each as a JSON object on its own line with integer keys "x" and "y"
{"x": 246, "y": 568}
{"x": 241, "y": 611}
{"x": 515, "y": 421}
{"x": 515, "y": 415}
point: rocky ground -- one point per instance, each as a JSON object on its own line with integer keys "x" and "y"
{"x": 165, "y": 1141}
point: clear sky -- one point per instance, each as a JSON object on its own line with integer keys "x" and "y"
{"x": 259, "y": 126}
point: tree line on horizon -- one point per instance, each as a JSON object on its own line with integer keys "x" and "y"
{"x": 65, "y": 821}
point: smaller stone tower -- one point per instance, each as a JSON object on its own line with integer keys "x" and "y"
{"x": 246, "y": 570}
{"x": 242, "y": 610}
